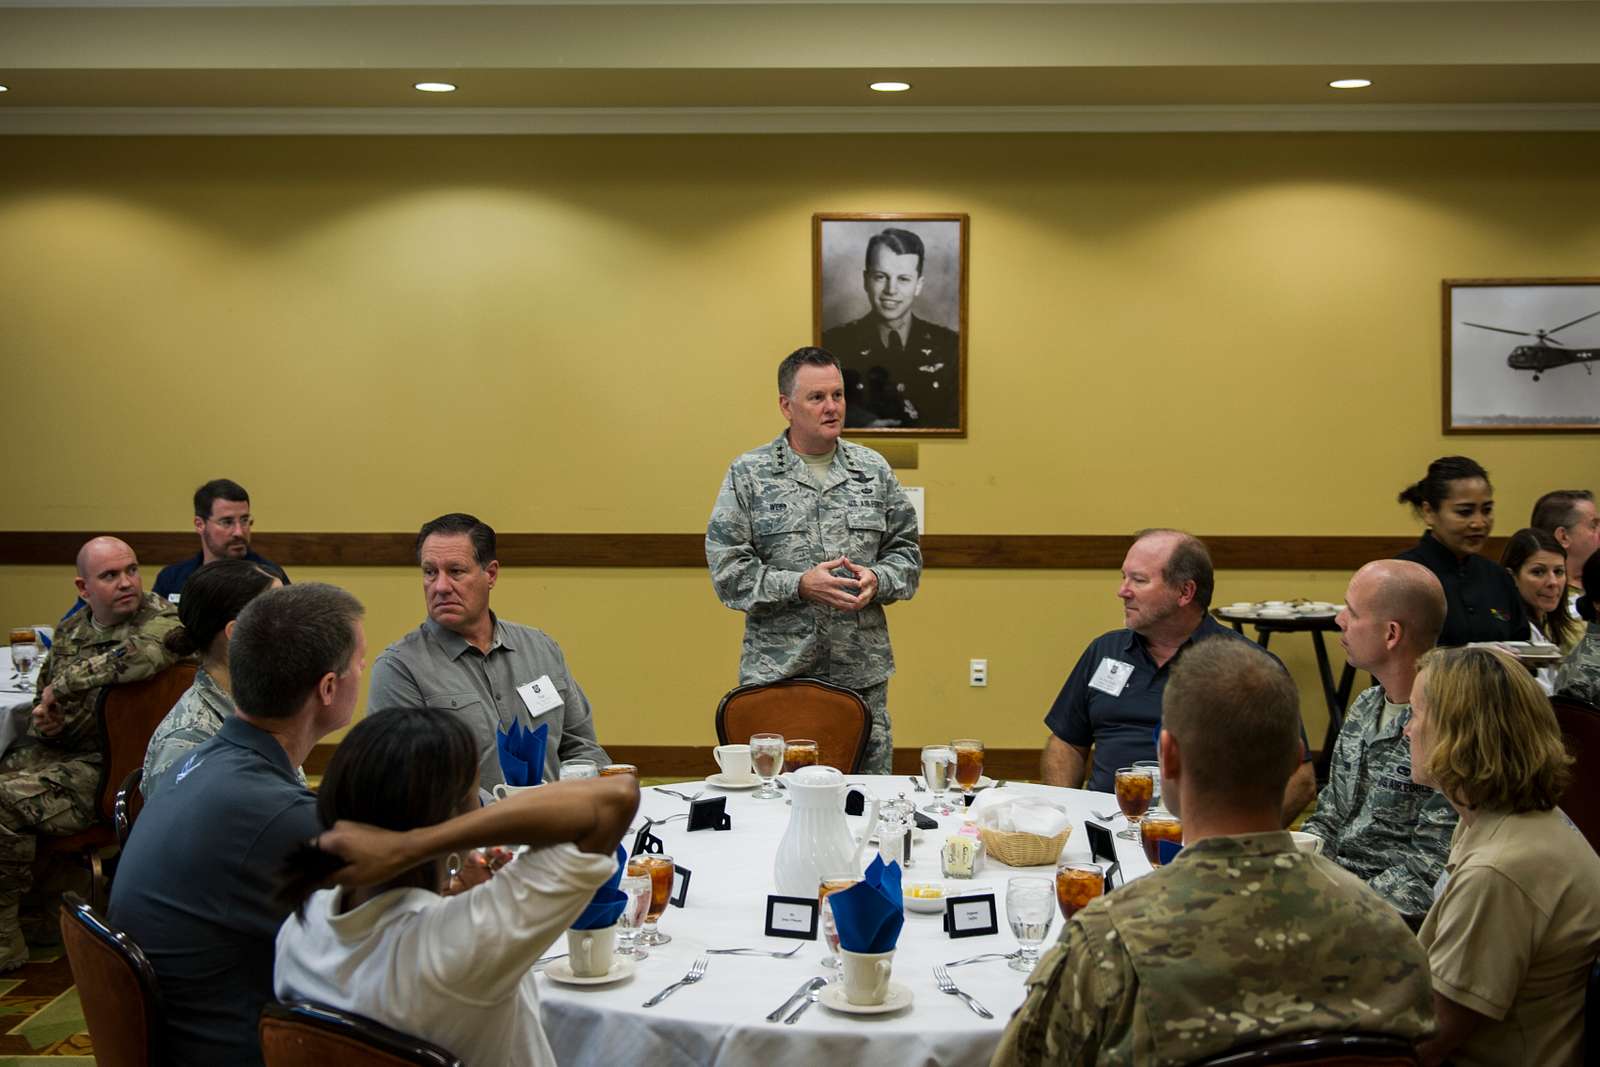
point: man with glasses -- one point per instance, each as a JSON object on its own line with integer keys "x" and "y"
{"x": 222, "y": 519}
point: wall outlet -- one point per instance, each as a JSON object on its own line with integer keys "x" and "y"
{"x": 978, "y": 672}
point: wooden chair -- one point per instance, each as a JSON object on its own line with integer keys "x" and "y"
{"x": 126, "y": 807}
{"x": 314, "y": 1035}
{"x": 127, "y": 715}
{"x": 116, "y": 985}
{"x": 834, "y": 716}
{"x": 1320, "y": 1050}
{"x": 1591, "y": 1018}
{"x": 1580, "y": 726}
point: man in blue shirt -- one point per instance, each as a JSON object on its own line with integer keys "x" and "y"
{"x": 223, "y": 521}
{"x": 1112, "y": 699}
{"x": 197, "y": 885}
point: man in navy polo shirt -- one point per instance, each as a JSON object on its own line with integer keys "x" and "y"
{"x": 1112, "y": 699}
{"x": 223, "y": 521}
{"x": 197, "y": 886}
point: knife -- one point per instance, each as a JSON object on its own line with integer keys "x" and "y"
{"x": 805, "y": 987}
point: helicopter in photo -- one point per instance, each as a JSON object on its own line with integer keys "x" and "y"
{"x": 1545, "y": 353}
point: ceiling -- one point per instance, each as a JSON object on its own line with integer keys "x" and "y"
{"x": 211, "y": 65}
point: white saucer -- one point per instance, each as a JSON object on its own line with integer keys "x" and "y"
{"x": 832, "y": 996}
{"x": 722, "y": 781}
{"x": 561, "y": 971}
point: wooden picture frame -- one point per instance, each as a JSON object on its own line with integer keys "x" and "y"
{"x": 889, "y": 299}
{"x": 1494, "y": 383}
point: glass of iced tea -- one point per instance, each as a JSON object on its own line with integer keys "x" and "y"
{"x": 660, "y": 869}
{"x": 1160, "y": 825}
{"x": 618, "y": 768}
{"x": 969, "y": 764}
{"x": 1076, "y": 885}
{"x": 800, "y": 752}
{"x": 766, "y": 757}
{"x": 1135, "y": 786}
{"x": 830, "y": 932}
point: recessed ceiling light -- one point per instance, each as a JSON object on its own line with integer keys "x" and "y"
{"x": 435, "y": 87}
{"x": 1350, "y": 83}
{"x": 3, "y": 89}
{"x": 890, "y": 87}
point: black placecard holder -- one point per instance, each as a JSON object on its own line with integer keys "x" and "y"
{"x": 645, "y": 842}
{"x": 794, "y": 917}
{"x": 855, "y": 802}
{"x": 680, "y": 885}
{"x": 957, "y": 919}
{"x": 1103, "y": 846}
{"x": 925, "y": 822}
{"x": 709, "y": 814}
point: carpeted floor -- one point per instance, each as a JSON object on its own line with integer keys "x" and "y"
{"x": 43, "y": 1023}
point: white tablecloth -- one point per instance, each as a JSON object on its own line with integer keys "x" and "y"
{"x": 16, "y": 705}
{"x": 721, "y": 1019}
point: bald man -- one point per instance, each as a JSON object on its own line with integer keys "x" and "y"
{"x": 49, "y": 778}
{"x": 1373, "y": 820}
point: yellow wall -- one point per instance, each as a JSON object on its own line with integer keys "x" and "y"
{"x": 1236, "y": 334}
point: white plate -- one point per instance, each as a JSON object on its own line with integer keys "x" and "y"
{"x": 561, "y": 971}
{"x": 832, "y": 996}
{"x": 926, "y": 905}
{"x": 722, "y": 781}
{"x": 1274, "y": 613}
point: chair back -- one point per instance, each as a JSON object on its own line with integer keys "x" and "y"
{"x": 1580, "y": 727}
{"x": 129, "y": 713}
{"x": 1320, "y": 1050}
{"x": 116, "y": 985}
{"x": 128, "y": 804}
{"x": 1591, "y": 1018}
{"x": 315, "y": 1035}
{"x": 834, "y": 716}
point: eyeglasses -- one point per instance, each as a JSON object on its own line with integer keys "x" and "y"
{"x": 229, "y": 522}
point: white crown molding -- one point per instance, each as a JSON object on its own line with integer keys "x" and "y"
{"x": 99, "y": 122}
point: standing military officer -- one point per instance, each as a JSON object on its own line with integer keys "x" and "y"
{"x": 810, "y": 537}
{"x": 49, "y": 779}
{"x": 904, "y": 370}
{"x": 1242, "y": 937}
{"x": 1374, "y": 821}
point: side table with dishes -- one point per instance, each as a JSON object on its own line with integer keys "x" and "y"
{"x": 909, "y": 1005}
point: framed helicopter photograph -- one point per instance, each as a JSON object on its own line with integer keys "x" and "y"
{"x": 1520, "y": 355}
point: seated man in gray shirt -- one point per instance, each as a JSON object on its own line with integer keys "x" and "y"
{"x": 466, "y": 661}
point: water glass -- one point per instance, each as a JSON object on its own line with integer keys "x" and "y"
{"x": 766, "y": 756}
{"x": 938, "y": 761}
{"x": 637, "y": 888}
{"x": 1030, "y": 908}
{"x": 24, "y": 654}
{"x": 830, "y": 932}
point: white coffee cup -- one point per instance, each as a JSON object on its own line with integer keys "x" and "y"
{"x": 866, "y": 975}
{"x": 1306, "y": 842}
{"x": 501, "y": 790}
{"x": 590, "y": 952}
{"x": 734, "y": 761}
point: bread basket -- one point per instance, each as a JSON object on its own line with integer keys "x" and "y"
{"x": 1016, "y": 848}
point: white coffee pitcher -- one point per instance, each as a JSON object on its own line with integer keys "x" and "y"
{"x": 818, "y": 843}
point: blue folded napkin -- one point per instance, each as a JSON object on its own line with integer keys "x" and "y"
{"x": 1167, "y": 851}
{"x": 522, "y": 753}
{"x": 870, "y": 913}
{"x": 605, "y": 907}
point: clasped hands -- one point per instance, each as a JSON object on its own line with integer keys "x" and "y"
{"x": 821, "y": 586}
{"x": 48, "y": 718}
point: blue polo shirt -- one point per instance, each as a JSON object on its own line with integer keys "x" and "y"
{"x": 1122, "y": 727}
{"x": 195, "y": 888}
{"x": 169, "y": 583}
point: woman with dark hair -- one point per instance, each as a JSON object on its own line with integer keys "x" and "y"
{"x": 1579, "y": 673}
{"x": 400, "y": 793}
{"x": 1456, "y": 502}
{"x": 1515, "y": 927}
{"x": 1538, "y": 564}
{"x": 212, "y": 599}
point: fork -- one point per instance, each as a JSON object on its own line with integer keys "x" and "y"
{"x": 947, "y": 985}
{"x": 1104, "y": 816}
{"x": 680, "y": 796}
{"x": 917, "y": 782}
{"x": 753, "y": 952}
{"x": 984, "y": 956}
{"x": 697, "y": 972}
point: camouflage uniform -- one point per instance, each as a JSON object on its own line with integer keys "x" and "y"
{"x": 1580, "y": 671}
{"x": 1377, "y": 823}
{"x": 771, "y": 523}
{"x": 197, "y": 715}
{"x": 49, "y": 784}
{"x": 1238, "y": 940}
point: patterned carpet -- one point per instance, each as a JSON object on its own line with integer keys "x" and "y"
{"x": 39, "y": 1010}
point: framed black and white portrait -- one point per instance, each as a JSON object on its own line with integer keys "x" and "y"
{"x": 889, "y": 299}
{"x": 1520, "y": 355}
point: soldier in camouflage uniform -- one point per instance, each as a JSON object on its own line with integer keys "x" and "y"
{"x": 1241, "y": 938}
{"x": 1374, "y": 821}
{"x": 810, "y": 537}
{"x": 50, "y": 777}
{"x": 1580, "y": 671}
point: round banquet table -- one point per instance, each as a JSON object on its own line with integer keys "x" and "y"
{"x": 721, "y": 1019}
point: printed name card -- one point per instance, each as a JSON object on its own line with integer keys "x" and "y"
{"x": 971, "y": 916}
{"x": 680, "y": 885}
{"x": 794, "y": 917}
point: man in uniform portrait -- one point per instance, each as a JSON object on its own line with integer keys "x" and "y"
{"x": 900, "y": 370}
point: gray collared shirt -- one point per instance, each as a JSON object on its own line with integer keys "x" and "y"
{"x": 432, "y": 667}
